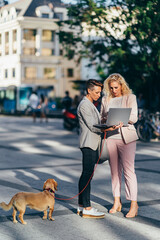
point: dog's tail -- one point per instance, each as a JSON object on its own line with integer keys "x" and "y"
{"x": 8, "y": 206}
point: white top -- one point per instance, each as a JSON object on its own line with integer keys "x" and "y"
{"x": 115, "y": 103}
{"x": 128, "y": 101}
{"x": 33, "y": 101}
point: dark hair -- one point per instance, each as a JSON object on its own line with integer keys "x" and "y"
{"x": 67, "y": 93}
{"x": 42, "y": 97}
{"x": 91, "y": 83}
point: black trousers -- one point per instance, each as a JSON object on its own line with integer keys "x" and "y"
{"x": 89, "y": 158}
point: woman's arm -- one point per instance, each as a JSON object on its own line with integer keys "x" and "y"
{"x": 132, "y": 103}
{"x": 113, "y": 127}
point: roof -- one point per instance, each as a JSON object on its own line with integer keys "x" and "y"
{"x": 28, "y": 7}
{"x": 36, "y": 3}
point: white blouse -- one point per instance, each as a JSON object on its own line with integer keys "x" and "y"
{"x": 114, "y": 103}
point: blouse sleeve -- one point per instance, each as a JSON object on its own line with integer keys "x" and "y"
{"x": 132, "y": 103}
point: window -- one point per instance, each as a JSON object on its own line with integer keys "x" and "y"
{"x": 14, "y": 41}
{"x": 10, "y": 94}
{"x": 7, "y": 43}
{"x": 0, "y": 44}
{"x": 45, "y": 11}
{"x": 15, "y": 35}
{"x": 47, "y": 36}
{"x": 6, "y": 73}
{"x": 45, "y": 15}
{"x": 30, "y": 72}
{"x": 49, "y": 73}
{"x": 61, "y": 52}
{"x": 47, "y": 52}
{"x": 70, "y": 72}
{"x": 29, "y": 51}
{"x": 2, "y": 94}
{"x": 59, "y": 16}
{"x": 29, "y": 34}
{"x": 13, "y": 72}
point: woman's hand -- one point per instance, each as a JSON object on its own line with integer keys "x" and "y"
{"x": 103, "y": 120}
{"x": 113, "y": 128}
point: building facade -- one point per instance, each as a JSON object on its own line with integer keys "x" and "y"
{"x": 30, "y": 52}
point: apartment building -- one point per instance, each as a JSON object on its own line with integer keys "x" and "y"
{"x": 30, "y": 52}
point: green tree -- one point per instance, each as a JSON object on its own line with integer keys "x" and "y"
{"x": 128, "y": 43}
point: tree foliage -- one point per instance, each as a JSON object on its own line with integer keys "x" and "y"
{"x": 128, "y": 42}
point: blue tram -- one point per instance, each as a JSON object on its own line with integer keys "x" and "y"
{"x": 16, "y": 99}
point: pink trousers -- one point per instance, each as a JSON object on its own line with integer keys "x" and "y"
{"x": 122, "y": 157}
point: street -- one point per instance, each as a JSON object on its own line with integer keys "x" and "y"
{"x": 33, "y": 152}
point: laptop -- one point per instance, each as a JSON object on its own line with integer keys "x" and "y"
{"x": 115, "y": 116}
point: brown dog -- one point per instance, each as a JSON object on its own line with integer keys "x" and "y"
{"x": 38, "y": 201}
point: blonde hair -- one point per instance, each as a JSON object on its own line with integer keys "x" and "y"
{"x": 116, "y": 77}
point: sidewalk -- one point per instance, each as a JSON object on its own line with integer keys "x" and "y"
{"x": 32, "y": 153}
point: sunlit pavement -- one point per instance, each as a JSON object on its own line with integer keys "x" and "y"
{"x": 33, "y": 152}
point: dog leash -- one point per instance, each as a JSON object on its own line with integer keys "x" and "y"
{"x": 67, "y": 199}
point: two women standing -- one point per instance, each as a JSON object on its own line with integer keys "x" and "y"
{"x": 121, "y": 143}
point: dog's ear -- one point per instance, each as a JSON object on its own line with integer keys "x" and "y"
{"x": 44, "y": 185}
{"x": 55, "y": 185}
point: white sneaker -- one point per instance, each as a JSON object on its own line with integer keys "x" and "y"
{"x": 92, "y": 213}
{"x": 79, "y": 211}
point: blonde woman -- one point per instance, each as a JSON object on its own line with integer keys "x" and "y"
{"x": 121, "y": 142}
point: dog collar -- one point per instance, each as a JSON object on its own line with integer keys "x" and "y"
{"x": 49, "y": 190}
